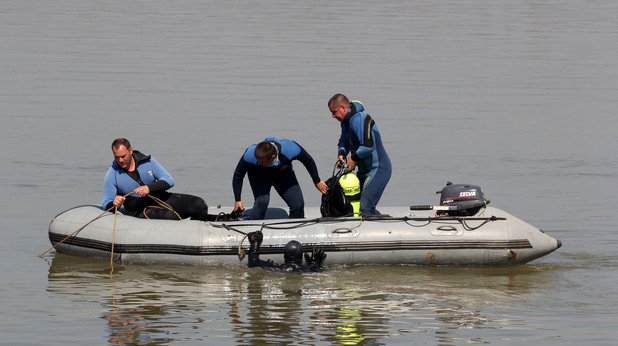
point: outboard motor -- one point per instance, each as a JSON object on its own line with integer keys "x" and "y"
{"x": 467, "y": 199}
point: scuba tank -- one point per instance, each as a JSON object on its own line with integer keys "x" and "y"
{"x": 352, "y": 190}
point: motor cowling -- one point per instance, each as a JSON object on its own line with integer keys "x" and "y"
{"x": 466, "y": 199}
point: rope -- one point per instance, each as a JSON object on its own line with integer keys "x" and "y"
{"x": 84, "y": 226}
{"x": 241, "y": 251}
{"x": 304, "y": 223}
{"x": 159, "y": 201}
{"x": 162, "y": 205}
{"x": 111, "y": 257}
{"x": 77, "y": 231}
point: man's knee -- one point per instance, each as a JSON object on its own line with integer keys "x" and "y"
{"x": 296, "y": 203}
{"x": 293, "y": 197}
{"x": 160, "y": 213}
{"x": 200, "y": 204}
{"x": 261, "y": 202}
{"x": 259, "y": 207}
{"x": 189, "y": 206}
{"x": 199, "y": 208}
{"x": 297, "y": 210}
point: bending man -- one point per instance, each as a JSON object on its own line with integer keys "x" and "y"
{"x": 360, "y": 145}
{"x": 142, "y": 176}
{"x": 269, "y": 164}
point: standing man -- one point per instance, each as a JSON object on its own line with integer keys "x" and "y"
{"x": 360, "y": 145}
{"x": 269, "y": 164}
{"x": 142, "y": 176}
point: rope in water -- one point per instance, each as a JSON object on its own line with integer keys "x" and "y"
{"x": 111, "y": 257}
{"x": 53, "y": 247}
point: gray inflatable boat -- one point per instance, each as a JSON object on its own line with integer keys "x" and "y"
{"x": 427, "y": 235}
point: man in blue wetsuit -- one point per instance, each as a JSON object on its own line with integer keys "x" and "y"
{"x": 360, "y": 145}
{"x": 292, "y": 256}
{"x": 269, "y": 164}
{"x": 142, "y": 176}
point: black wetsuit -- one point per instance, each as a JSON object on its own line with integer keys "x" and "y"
{"x": 293, "y": 256}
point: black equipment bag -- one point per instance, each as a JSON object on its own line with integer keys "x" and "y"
{"x": 334, "y": 201}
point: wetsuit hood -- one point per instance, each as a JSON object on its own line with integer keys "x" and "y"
{"x": 293, "y": 252}
{"x": 355, "y": 107}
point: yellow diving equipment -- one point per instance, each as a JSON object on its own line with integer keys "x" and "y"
{"x": 352, "y": 190}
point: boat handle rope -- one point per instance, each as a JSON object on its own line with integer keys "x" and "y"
{"x": 53, "y": 247}
{"x": 406, "y": 219}
{"x": 468, "y": 228}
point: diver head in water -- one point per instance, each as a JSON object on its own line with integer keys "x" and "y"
{"x": 293, "y": 252}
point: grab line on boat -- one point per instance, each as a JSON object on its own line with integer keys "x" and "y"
{"x": 303, "y": 223}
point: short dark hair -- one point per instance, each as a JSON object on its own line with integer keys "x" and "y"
{"x": 265, "y": 150}
{"x": 339, "y": 99}
{"x": 121, "y": 141}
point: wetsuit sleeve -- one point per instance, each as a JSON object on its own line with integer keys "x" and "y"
{"x": 342, "y": 145}
{"x": 163, "y": 180}
{"x": 364, "y": 131}
{"x": 109, "y": 189}
{"x": 255, "y": 261}
{"x": 237, "y": 179}
{"x": 309, "y": 163}
{"x": 158, "y": 185}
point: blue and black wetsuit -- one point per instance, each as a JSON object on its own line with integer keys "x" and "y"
{"x": 360, "y": 138}
{"x": 148, "y": 171}
{"x": 279, "y": 175}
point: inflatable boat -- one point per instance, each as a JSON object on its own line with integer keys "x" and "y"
{"x": 460, "y": 231}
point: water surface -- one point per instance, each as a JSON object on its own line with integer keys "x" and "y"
{"x": 517, "y": 97}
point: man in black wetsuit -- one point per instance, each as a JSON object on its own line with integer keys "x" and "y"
{"x": 293, "y": 256}
{"x": 269, "y": 164}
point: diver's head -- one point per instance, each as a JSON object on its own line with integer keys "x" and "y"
{"x": 293, "y": 252}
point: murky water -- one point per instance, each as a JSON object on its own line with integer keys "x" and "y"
{"x": 517, "y": 97}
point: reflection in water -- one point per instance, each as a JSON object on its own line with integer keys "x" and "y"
{"x": 136, "y": 318}
{"x": 128, "y": 326}
{"x": 157, "y": 304}
{"x": 348, "y": 332}
{"x": 273, "y": 307}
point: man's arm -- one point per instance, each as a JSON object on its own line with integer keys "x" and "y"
{"x": 342, "y": 145}
{"x": 363, "y": 129}
{"x": 109, "y": 190}
{"x": 255, "y": 241}
{"x": 163, "y": 179}
{"x": 309, "y": 164}
{"x": 238, "y": 177}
